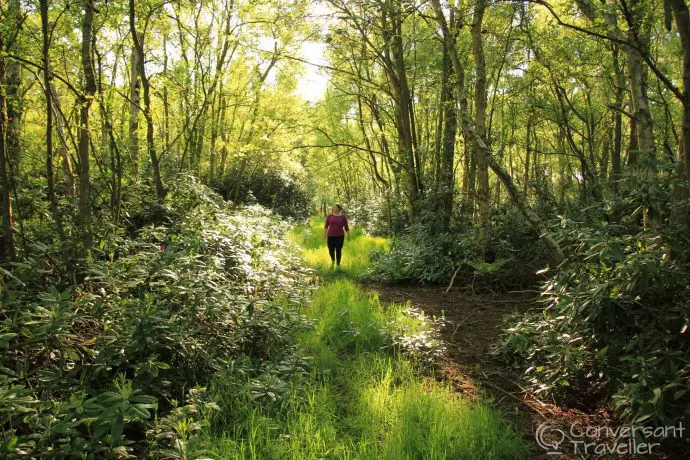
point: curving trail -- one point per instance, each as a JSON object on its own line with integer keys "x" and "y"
{"x": 471, "y": 324}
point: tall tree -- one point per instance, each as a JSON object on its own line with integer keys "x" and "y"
{"x": 15, "y": 104}
{"x": 47, "y": 91}
{"x": 480, "y": 102}
{"x": 138, "y": 41}
{"x": 448, "y": 126}
{"x": 682, "y": 16}
{"x": 7, "y": 250}
{"x": 89, "y": 91}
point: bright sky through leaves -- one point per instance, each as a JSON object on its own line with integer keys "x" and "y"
{"x": 312, "y": 86}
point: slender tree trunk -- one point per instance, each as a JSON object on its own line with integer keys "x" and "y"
{"x": 438, "y": 136}
{"x": 50, "y": 175}
{"x": 640, "y": 101}
{"x": 633, "y": 145}
{"x": 480, "y": 102}
{"x": 218, "y": 117}
{"x": 448, "y": 110}
{"x": 681, "y": 213}
{"x": 471, "y": 173}
{"x": 528, "y": 155}
{"x": 166, "y": 104}
{"x": 617, "y": 121}
{"x": 138, "y": 39}
{"x": 134, "y": 109}
{"x": 391, "y": 23}
{"x": 14, "y": 96}
{"x": 465, "y": 178}
{"x": 63, "y": 149}
{"x": 85, "y": 104}
{"x": 7, "y": 250}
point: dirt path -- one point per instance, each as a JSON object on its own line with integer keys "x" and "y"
{"x": 472, "y": 323}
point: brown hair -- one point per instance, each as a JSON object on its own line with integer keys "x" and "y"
{"x": 340, "y": 208}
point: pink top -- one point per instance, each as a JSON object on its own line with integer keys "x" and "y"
{"x": 336, "y": 225}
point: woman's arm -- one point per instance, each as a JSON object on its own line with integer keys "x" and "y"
{"x": 325, "y": 228}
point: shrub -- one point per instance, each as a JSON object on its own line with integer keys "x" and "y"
{"x": 277, "y": 190}
{"x": 422, "y": 254}
{"x": 163, "y": 305}
{"x": 615, "y": 324}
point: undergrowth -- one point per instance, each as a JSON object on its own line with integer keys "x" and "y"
{"x": 614, "y": 328}
{"x": 425, "y": 253}
{"x": 108, "y": 365}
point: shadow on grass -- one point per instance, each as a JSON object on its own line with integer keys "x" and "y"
{"x": 361, "y": 398}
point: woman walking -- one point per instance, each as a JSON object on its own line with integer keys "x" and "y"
{"x": 335, "y": 228}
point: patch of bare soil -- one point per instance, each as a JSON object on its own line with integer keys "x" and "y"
{"x": 472, "y": 324}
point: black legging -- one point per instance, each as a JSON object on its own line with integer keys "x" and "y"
{"x": 335, "y": 247}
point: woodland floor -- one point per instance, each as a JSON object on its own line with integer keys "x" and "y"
{"x": 472, "y": 323}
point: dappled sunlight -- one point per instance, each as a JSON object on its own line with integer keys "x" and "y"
{"x": 167, "y": 169}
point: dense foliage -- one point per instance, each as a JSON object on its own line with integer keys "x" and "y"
{"x": 88, "y": 369}
{"x": 423, "y": 253}
{"x": 616, "y": 316}
{"x": 274, "y": 189}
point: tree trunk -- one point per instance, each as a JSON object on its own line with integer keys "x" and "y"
{"x": 528, "y": 155}
{"x": 640, "y": 102}
{"x": 85, "y": 104}
{"x": 448, "y": 110}
{"x": 13, "y": 76}
{"x": 406, "y": 142}
{"x": 618, "y": 121}
{"x": 138, "y": 39}
{"x": 166, "y": 104}
{"x": 480, "y": 102}
{"x": 682, "y": 193}
{"x": 134, "y": 109}
{"x": 7, "y": 250}
{"x": 63, "y": 150}
{"x": 218, "y": 118}
{"x": 50, "y": 176}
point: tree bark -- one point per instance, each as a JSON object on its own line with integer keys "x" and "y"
{"x": 7, "y": 250}
{"x": 480, "y": 102}
{"x": 134, "y": 109}
{"x": 50, "y": 176}
{"x": 681, "y": 213}
{"x": 448, "y": 110}
{"x": 14, "y": 96}
{"x": 67, "y": 169}
{"x": 85, "y": 104}
{"x": 398, "y": 74}
{"x": 618, "y": 120}
{"x": 138, "y": 39}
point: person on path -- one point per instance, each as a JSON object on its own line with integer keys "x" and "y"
{"x": 335, "y": 229}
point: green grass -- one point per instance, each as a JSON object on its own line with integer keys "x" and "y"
{"x": 355, "y": 260}
{"x": 360, "y": 400}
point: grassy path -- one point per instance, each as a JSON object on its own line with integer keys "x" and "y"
{"x": 364, "y": 393}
